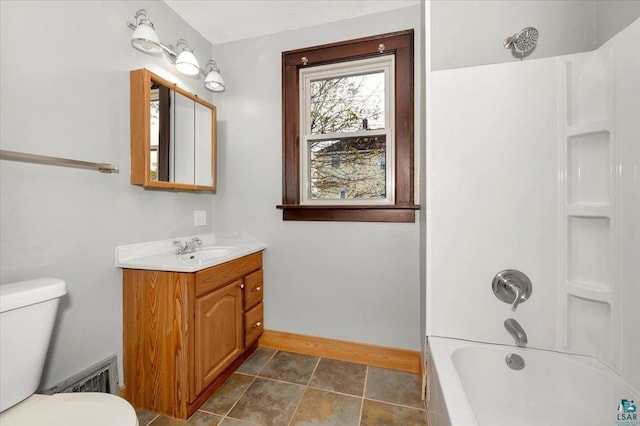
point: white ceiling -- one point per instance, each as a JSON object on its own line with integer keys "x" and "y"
{"x": 220, "y": 21}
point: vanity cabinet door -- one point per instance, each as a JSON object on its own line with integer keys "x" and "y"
{"x": 218, "y": 332}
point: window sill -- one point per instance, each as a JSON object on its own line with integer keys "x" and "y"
{"x": 350, "y": 213}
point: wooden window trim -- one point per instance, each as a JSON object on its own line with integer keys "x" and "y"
{"x": 403, "y": 210}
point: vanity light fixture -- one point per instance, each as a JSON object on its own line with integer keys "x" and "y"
{"x": 145, "y": 39}
{"x": 186, "y": 61}
{"x": 213, "y": 81}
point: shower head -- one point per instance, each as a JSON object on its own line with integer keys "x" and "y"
{"x": 523, "y": 41}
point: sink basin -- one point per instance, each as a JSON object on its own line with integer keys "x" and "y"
{"x": 161, "y": 255}
{"x": 206, "y": 254}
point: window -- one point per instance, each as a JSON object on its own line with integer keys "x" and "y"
{"x": 348, "y": 131}
{"x": 347, "y": 126}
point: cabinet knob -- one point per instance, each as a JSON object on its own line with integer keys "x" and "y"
{"x": 256, "y": 324}
{"x": 257, "y": 289}
{"x": 241, "y": 285}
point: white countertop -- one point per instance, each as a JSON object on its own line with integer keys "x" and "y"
{"x": 161, "y": 255}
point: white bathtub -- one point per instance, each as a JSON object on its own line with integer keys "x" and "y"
{"x": 470, "y": 384}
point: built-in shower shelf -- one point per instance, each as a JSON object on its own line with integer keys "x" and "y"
{"x": 598, "y": 292}
{"x": 589, "y": 127}
{"x": 587, "y": 213}
{"x": 589, "y": 169}
{"x": 589, "y": 210}
{"x": 595, "y": 91}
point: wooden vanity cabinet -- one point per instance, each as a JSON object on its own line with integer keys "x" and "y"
{"x": 218, "y": 332}
{"x": 185, "y": 333}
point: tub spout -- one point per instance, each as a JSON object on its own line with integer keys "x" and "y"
{"x": 516, "y": 331}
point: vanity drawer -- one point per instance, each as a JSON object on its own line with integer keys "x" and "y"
{"x": 219, "y": 275}
{"x": 253, "y": 324}
{"x": 253, "y": 289}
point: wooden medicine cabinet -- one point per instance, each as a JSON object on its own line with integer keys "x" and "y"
{"x": 173, "y": 136}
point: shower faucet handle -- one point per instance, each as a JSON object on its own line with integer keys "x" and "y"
{"x": 511, "y": 286}
{"x": 518, "y": 298}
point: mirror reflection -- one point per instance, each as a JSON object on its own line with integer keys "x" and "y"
{"x": 180, "y": 138}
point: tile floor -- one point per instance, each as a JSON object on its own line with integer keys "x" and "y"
{"x": 281, "y": 388}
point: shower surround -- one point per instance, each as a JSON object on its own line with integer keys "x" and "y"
{"x": 535, "y": 166}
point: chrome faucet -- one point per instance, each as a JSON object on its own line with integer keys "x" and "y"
{"x": 516, "y": 331}
{"x": 519, "y": 296}
{"x": 511, "y": 287}
{"x": 188, "y": 247}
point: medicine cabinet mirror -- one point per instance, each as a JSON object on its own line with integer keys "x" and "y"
{"x": 173, "y": 136}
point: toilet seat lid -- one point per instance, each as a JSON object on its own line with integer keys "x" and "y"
{"x": 71, "y": 409}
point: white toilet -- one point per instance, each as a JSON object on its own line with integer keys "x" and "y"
{"x": 27, "y": 314}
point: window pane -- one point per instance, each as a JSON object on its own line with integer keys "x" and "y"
{"x": 347, "y": 104}
{"x": 348, "y": 168}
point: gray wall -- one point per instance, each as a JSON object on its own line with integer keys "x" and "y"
{"x": 614, "y": 15}
{"x": 64, "y": 78}
{"x": 468, "y": 33}
{"x": 352, "y": 281}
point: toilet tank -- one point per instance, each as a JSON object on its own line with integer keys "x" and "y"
{"x": 27, "y": 314}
